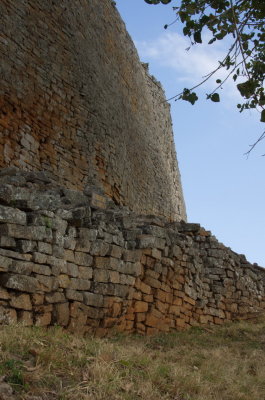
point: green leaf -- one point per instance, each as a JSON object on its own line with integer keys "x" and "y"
{"x": 247, "y": 89}
{"x": 188, "y": 96}
{"x": 212, "y": 40}
{"x": 215, "y": 97}
{"x": 262, "y": 117}
{"x": 197, "y": 37}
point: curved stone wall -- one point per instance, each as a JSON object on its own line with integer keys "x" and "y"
{"x": 80, "y": 261}
{"x": 76, "y": 101}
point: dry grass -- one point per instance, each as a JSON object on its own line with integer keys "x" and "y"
{"x": 225, "y": 363}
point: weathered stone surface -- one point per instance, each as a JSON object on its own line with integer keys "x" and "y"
{"x": 92, "y": 299}
{"x": 21, "y": 301}
{"x": 12, "y": 215}
{"x": 6, "y": 241}
{"x": 192, "y": 280}
{"x": 55, "y": 297}
{"x": 26, "y": 232}
{"x": 19, "y": 282}
{"x": 5, "y": 263}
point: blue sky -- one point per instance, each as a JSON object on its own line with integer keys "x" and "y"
{"x": 224, "y": 191}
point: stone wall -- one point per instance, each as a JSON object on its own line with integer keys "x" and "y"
{"x": 80, "y": 261}
{"x": 76, "y": 101}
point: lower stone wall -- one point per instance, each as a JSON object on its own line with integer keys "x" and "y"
{"x": 77, "y": 260}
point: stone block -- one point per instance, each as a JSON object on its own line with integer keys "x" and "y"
{"x": 62, "y": 314}
{"x": 69, "y": 255}
{"x": 45, "y": 248}
{"x": 22, "y": 283}
{"x": 99, "y": 248}
{"x": 101, "y": 275}
{"x": 21, "y": 301}
{"x": 55, "y": 297}
{"x": 152, "y": 321}
{"x": 37, "y": 299}
{"x": 92, "y": 299}
{"x": 47, "y": 283}
{"x": 6, "y": 193}
{"x": 72, "y": 270}
{"x": 64, "y": 281}
{"x": 5, "y": 263}
{"x": 82, "y": 245}
{"x": 143, "y": 287}
{"x": 74, "y": 295}
{"x": 39, "y": 258}
{"x": 85, "y": 272}
{"x": 127, "y": 280}
{"x": 79, "y": 284}
{"x": 83, "y": 259}
{"x": 154, "y": 283}
{"x": 114, "y": 277}
{"x": 87, "y": 234}
{"x": 26, "y": 246}
{"x": 26, "y": 232}
{"x": 21, "y": 267}
{"x": 41, "y": 269}
{"x": 109, "y": 263}
{"x": 43, "y": 319}
{"x": 12, "y": 215}
{"x": 115, "y": 251}
{"x": 70, "y": 243}
{"x": 131, "y": 255}
{"x": 149, "y": 298}
{"x": 149, "y": 241}
{"x": 140, "y": 307}
{"x": 15, "y": 254}
{"x": 6, "y": 241}
{"x": 4, "y": 294}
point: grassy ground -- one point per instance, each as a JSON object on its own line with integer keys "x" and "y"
{"x": 220, "y": 363}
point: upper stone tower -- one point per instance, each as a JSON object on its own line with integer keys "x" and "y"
{"x": 76, "y": 101}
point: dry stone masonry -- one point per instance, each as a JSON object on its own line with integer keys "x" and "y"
{"x": 76, "y": 101}
{"x": 80, "y": 261}
{"x": 92, "y": 218}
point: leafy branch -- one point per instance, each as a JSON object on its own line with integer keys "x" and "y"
{"x": 244, "y": 22}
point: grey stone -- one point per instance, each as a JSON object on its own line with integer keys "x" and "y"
{"x": 6, "y": 241}
{"x": 26, "y": 246}
{"x": 99, "y": 248}
{"x": 79, "y": 284}
{"x": 92, "y": 299}
{"x": 48, "y": 283}
{"x": 21, "y": 267}
{"x": 74, "y": 295}
{"x": 83, "y": 258}
{"x": 20, "y": 282}
{"x": 12, "y": 215}
{"x": 26, "y": 232}
{"x": 16, "y": 255}
{"x": 5, "y": 263}
{"x": 6, "y": 194}
{"x": 55, "y": 297}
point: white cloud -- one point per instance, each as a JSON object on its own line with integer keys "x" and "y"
{"x": 169, "y": 51}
